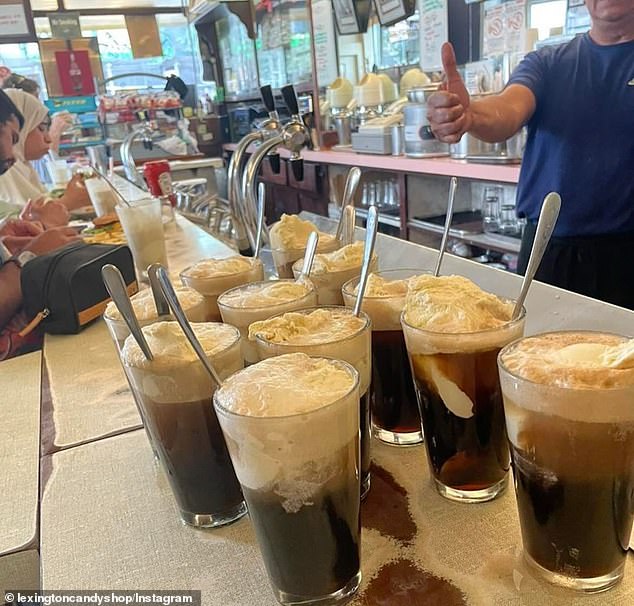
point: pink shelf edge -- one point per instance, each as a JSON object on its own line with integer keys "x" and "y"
{"x": 420, "y": 166}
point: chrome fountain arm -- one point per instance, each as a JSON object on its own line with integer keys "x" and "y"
{"x": 131, "y": 173}
{"x": 234, "y": 191}
{"x": 294, "y": 136}
{"x": 249, "y": 197}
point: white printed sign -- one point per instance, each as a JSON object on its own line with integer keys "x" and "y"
{"x": 13, "y": 20}
{"x": 504, "y": 27}
{"x": 325, "y": 48}
{"x": 433, "y": 32}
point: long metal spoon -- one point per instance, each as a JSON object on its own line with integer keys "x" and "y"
{"x": 453, "y": 186}
{"x": 116, "y": 287}
{"x": 370, "y": 240}
{"x": 260, "y": 225}
{"x": 350, "y": 218}
{"x": 162, "y": 306}
{"x": 309, "y": 256}
{"x": 352, "y": 182}
{"x": 545, "y": 226}
{"x": 179, "y": 314}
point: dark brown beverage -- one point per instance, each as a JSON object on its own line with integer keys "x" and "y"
{"x": 195, "y": 458}
{"x": 394, "y": 406}
{"x": 313, "y": 551}
{"x": 292, "y": 427}
{"x": 176, "y": 392}
{"x": 570, "y": 421}
{"x": 461, "y": 407}
{"x": 366, "y": 439}
{"x": 563, "y": 493}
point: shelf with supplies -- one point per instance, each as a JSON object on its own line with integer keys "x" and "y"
{"x": 499, "y": 242}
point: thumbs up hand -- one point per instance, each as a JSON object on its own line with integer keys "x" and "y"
{"x": 448, "y": 110}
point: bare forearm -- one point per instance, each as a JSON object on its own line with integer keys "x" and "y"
{"x": 10, "y": 292}
{"x": 498, "y": 117}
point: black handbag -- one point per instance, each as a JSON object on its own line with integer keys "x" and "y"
{"x": 63, "y": 290}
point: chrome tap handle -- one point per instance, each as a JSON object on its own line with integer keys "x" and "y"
{"x": 290, "y": 98}
{"x": 297, "y": 166}
{"x": 268, "y": 99}
{"x": 274, "y": 161}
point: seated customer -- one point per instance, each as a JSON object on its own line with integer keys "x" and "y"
{"x": 19, "y": 236}
{"x": 21, "y": 183}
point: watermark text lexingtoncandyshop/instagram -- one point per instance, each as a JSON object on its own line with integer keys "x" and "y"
{"x": 103, "y": 597}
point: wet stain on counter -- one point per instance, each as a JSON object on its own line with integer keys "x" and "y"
{"x": 385, "y": 508}
{"x": 402, "y": 583}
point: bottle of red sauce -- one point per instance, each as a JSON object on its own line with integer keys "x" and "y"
{"x": 158, "y": 177}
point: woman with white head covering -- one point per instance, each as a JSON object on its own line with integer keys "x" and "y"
{"x": 21, "y": 183}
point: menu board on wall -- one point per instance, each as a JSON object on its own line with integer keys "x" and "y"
{"x": 433, "y": 32}
{"x": 504, "y": 27}
{"x": 325, "y": 46}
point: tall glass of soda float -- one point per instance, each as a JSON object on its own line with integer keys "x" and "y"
{"x": 288, "y": 242}
{"x": 569, "y": 405}
{"x": 454, "y": 332}
{"x": 176, "y": 393}
{"x": 292, "y": 427}
{"x": 332, "y": 332}
{"x": 331, "y": 271}
{"x": 243, "y": 305}
{"x": 393, "y": 405}
{"x": 212, "y": 277}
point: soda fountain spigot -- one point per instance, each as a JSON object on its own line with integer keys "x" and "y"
{"x": 271, "y": 126}
{"x": 295, "y": 133}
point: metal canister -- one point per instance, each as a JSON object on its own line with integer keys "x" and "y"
{"x": 397, "y": 140}
{"x": 419, "y": 141}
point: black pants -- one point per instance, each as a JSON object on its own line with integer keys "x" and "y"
{"x": 601, "y": 267}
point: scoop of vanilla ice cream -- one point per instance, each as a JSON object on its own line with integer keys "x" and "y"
{"x": 576, "y": 360}
{"x": 261, "y": 294}
{"x": 145, "y": 308}
{"x": 378, "y": 286}
{"x": 170, "y": 347}
{"x": 286, "y": 385}
{"x": 291, "y": 232}
{"x": 210, "y": 268}
{"x": 319, "y": 326}
{"x": 453, "y": 304}
{"x": 347, "y": 257}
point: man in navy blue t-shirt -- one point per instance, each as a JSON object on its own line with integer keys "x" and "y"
{"x": 577, "y": 101}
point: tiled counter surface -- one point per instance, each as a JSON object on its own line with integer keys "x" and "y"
{"x": 19, "y": 471}
{"x": 120, "y": 530}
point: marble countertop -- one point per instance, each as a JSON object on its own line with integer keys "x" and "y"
{"x": 88, "y": 397}
{"x": 417, "y": 548}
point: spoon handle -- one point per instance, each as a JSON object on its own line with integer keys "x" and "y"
{"x": 453, "y": 186}
{"x": 352, "y": 183}
{"x": 349, "y": 220}
{"x": 260, "y": 225}
{"x": 309, "y": 255}
{"x": 368, "y": 252}
{"x": 115, "y": 285}
{"x": 179, "y": 314}
{"x": 162, "y": 306}
{"x": 545, "y": 226}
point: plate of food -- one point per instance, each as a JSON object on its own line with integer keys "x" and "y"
{"x": 105, "y": 230}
